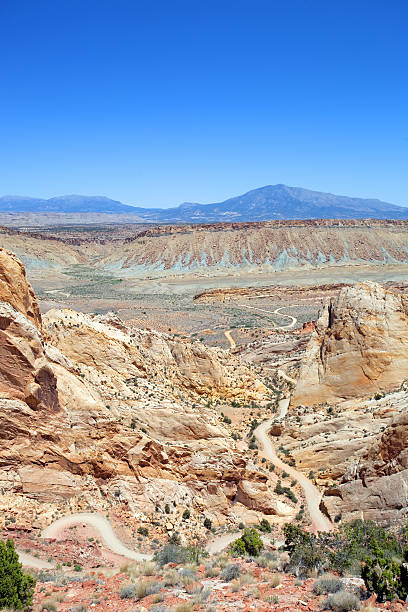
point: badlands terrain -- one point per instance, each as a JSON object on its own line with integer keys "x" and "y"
{"x": 181, "y": 383}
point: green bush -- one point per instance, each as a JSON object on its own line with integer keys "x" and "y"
{"x": 265, "y": 526}
{"x": 143, "y": 531}
{"x": 249, "y": 543}
{"x": 171, "y": 553}
{"x": 16, "y": 588}
{"x": 186, "y": 514}
{"x": 306, "y": 551}
{"x": 207, "y": 523}
{"x": 387, "y": 578}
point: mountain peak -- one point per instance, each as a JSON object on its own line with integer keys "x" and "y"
{"x": 261, "y": 204}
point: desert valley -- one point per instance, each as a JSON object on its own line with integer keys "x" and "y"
{"x": 169, "y": 390}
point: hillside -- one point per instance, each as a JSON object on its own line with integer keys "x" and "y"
{"x": 262, "y": 204}
{"x": 220, "y": 248}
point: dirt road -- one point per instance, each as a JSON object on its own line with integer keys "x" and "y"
{"x": 312, "y": 494}
{"x": 230, "y": 339}
{"x": 102, "y": 526}
{"x": 277, "y": 312}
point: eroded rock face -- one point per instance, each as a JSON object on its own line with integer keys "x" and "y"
{"x": 24, "y": 369}
{"x": 359, "y": 347}
{"x": 14, "y": 288}
{"x": 376, "y": 486}
{"x": 104, "y": 415}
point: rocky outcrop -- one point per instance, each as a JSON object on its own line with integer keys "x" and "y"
{"x": 96, "y": 414}
{"x": 15, "y": 289}
{"x": 25, "y": 373}
{"x": 375, "y": 486}
{"x": 103, "y": 344}
{"x": 359, "y": 347}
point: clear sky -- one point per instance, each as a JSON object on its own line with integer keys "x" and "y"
{"x": 159, "y": 102}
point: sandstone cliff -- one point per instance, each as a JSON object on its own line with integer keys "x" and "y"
{"x": 96, "y": 415}
{"x": 359, "y": 347}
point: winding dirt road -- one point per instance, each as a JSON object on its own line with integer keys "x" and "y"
{"x": 277, "y": 312}
{"x": 312, "y": 494}
{"x": 101, "y": 524}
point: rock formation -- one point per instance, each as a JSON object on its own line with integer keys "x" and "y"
{"x": 94, "y": 414}
{"x": 359, "y": 347}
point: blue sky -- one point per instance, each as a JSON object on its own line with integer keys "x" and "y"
{"x": 159, "y": 102}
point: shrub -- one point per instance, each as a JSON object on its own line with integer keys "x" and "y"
{"x": 127, "y": 591}
{"x": 16, "y": 588}
{"x": 249, "y": 543}
{"x": 230, "y": 572}
{"x": 275, "y": 581}
{"x": 386, "y": 578}
{"x": 147, "y": 568}
{"x": 143, "y": 531}
{"x": 175, "y": 538}
{"x": 343, "y": 601}
{"x": 171, "y": 553}
{"x": 327, "y": 584}
{"x": 171, "y": 578}
{"x": 184, "y": 608}
{"x": 305, "y": 550}
{"x": 153, "y": 587}
{"x": 186, "y": 514}
{"x": 265, "y": 526}
{"x": 207, "y": 523}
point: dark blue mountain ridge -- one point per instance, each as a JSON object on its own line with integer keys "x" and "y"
{"x": 262, "y": 204}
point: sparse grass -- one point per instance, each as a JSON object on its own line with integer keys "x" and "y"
{"x": 275, "y": 581}
{"x": 211, "y": 572}
{"x": 186, "y": 607}
{"x": 147, "y": 568}
{"x": 327, "y": 584}
{"x": 202, "y": 596}
{"x": 187, "y": 580}
{"x": 272, "y": 599}
{"x": 127, "y": 591}
{"x": 255, "y": 592}
{"x": 171, "y": 578}
{"x": 157, "y": 598}
{"x": 230, "y": 572}
{"x": 343, "y": 601}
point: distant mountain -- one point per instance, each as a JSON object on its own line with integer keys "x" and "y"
{"x": 278, "y": 202}
{"x": 263, "y": 204}
{"x": 65, "y": 204}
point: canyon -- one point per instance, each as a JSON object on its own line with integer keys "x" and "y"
{"x": 138, "y": 410}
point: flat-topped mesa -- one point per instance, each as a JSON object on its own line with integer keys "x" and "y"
{"x": 359, "y": 347}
